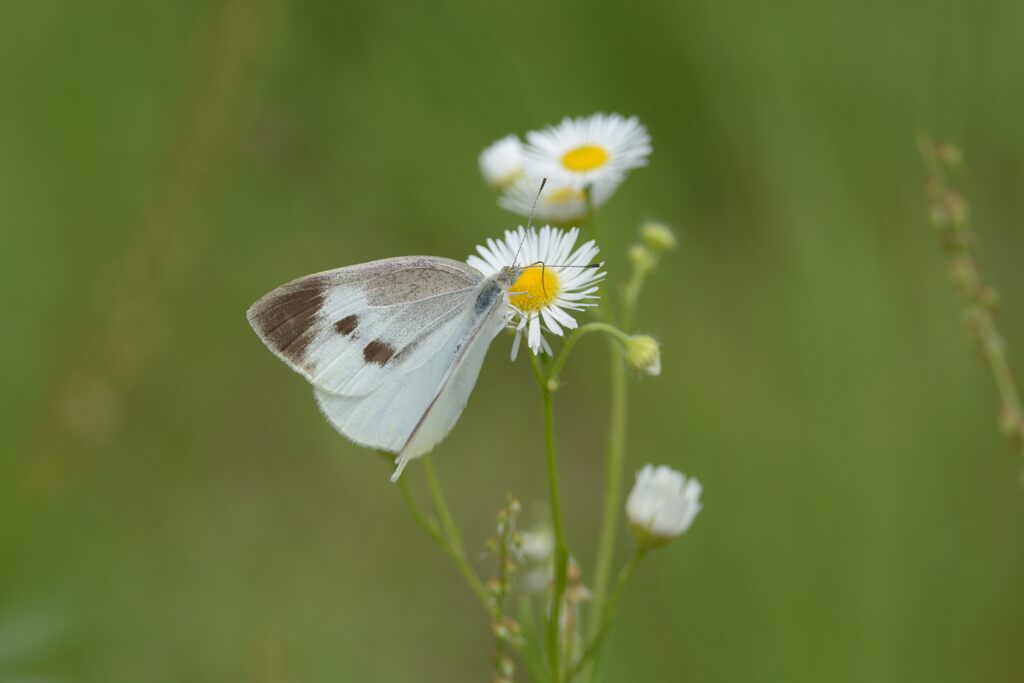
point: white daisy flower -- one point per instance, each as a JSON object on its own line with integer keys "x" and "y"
{"x": 588, "y": 150}
{"x": 560, "y": 202}
{"x": 662, "y": 504}
{"x": 501, "y": 164}
{"x": 553, "y": 282}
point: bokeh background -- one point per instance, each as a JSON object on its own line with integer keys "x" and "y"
{"x": 174, "y": 508}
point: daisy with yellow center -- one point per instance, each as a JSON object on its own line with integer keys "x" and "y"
{"x": 559, "y": 202}
{"x": 554, "y": 281}
{"x": 587, "y": 151}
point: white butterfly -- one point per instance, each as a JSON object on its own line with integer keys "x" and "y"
{"x": 392, "y": 347}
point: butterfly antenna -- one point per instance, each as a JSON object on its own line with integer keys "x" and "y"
{"x": 589, "y": 266}
{"x": 544, "y": 285}
{"x": 529, "y": 221}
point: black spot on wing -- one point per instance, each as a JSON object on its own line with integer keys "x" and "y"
{"x": 379, "y": 352}
{"x": 347, "y": 325}
{"x": 286, "y": 321}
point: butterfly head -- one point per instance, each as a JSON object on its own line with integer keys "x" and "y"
{"x": 508, "y": 275}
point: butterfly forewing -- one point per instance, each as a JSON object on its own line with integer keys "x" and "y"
{"x": 348, "y": 330}
{"x": 393, "y": 347}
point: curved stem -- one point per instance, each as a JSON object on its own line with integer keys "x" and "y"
{"x": 453, "y": 540}
{"x": 631, "y": 294}
{"x": 428, "y": 525}
{"x": 571, "y": 340}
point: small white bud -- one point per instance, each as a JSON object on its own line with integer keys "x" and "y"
{"x": 662, "y": 505}
{"x": 501, "y": 164}
{"x": 644, "y": 354}
{"x": 538, "y": 544}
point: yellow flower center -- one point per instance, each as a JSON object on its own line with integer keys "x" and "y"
{"x": 564, "y": 195}
{"x": 536, "y": 288}
{"x": 585, "y": 158}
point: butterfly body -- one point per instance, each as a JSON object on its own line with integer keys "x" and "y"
{"x": 392, "y": 347}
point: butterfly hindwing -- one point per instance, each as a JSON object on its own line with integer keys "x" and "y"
{"x": 409, "y": 414}
{"x": 453, "y": 393}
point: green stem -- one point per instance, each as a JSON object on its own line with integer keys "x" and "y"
{"x": 453, "y": 540}
{"x": 610, "y": 609}
{"x": 531, "y": 657}
{"x": 571, "y": 340}
{"x": 613, "y": 485}
{"x": 631, "y": 294}
{"x": 589, "y": 222}
{"x": 561, "y": 553}
{"x": 428, "y": 525}
{"x": 441, "y": 506}
{"x": 616, "y": 455}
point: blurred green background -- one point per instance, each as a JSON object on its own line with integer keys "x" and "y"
{"x": 174, "y": 508}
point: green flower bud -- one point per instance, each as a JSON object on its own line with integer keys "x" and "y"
{"x": 658, "y": 237}
{"x": 643, "y": 354}
{"x": 642, "y": 258}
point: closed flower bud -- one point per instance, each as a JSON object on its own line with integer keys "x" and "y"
{"x": 642, "y": 258}
{"x": 658, "y": 237}
{"x": 644, "y": 354}
{"x": 662, "y": 505}
{"x": 501, "y": 164}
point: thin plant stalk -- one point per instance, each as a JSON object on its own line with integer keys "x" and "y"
{"x": 950, "y": 216}
{"x": 589, "y": 222}
{"x": 499, "y": 617}
{"x": 531, "y": 657}
{"x": 614, "y": 464}
{"x": 561, "y": 552}
{"x": 614, "y": 461}
{"x": 605, "y": 619}
{"x": 631, "y": 294}
{"x": 616, "y": 449}
{"x": 453, "y": 545}
{"x": 502, "y": 632}
{"x": 570, "y": 342}
{"x": 428, "y": 525}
